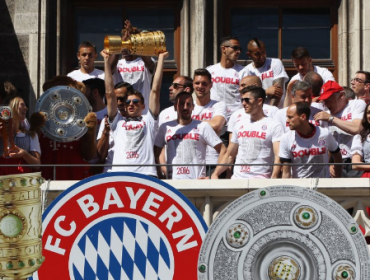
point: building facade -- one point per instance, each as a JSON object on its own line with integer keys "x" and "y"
{"x": 40, "y": 38}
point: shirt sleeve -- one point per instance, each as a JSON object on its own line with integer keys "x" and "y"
{"x": 220, "y": 109}
{"x": 358, "y": 109}
{"x": 114, "y": 122}
{"x": 279, "y": 70}
{"x": 332, "y": 143}
{"x": 284, "y": 149}
{"x": 101, "y": 128}
{"x": 277, "y": 132}
{"x": 356, "y": 147}
{"x": 210, "y": 135}
{"x": 231, "y": 122}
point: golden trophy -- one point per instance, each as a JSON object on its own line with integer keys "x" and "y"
{"x": 7, "y": 130}
{"x": 143, "y": 44}
{"x": 20, "y": 225}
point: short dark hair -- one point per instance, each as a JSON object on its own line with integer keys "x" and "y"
{"x": 188, "y": 82}
{"x": 228, "y": 38}
{"x": 96, "y": 83}
{"x": 316, "y": 82}
{"x": 137, "y": 93}
{"x": 203, "y": 72}
{"x": 367, "y": 75}
{"x": 86, "y": 44}
{"x": 256, "y": 92}
{"x": 183, "y": 93}
{"x": 126, "y": 85}
{"x": 300, "y": 52}
{"x": 303, "y": 108}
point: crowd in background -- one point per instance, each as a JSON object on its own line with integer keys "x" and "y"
{"x": 226, "y": 121}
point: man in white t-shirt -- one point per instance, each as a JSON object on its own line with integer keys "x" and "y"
{"x": 105, "y": 141}
{"x": 225, "y": 75}
{"x": 186, "y": 140}
{"x": 344, "y": 120}
{"x": 361, "y": 85}
{"x": 134, "y": 135}
{"x": 255, "y": 140}
{"x": 211, "y": 111}
{"x": 86, "y": 56}
{"x": 271, "y": 71}
{"x": 307, "y": 144}
{"x": 301, "y": 92}
{"x": 181, "y": 83}
{"x": 135, "y": 70}
{"x": 269, "y": 110}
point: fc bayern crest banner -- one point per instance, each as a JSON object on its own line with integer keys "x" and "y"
{"x": 121, "y": 226}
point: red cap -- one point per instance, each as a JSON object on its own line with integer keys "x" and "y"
{"x": 328, "y": 89}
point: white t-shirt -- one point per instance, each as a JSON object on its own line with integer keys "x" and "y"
{"x": 281, "y": 117}
{"x": 186, "y": 145}
{"x": 225, "y": 86}
{"x": 361, "y": 148}
{"x": 325, "y": 74}
{"x": 268, "y": 110}
{"x": 352, "y": 111}
{"x": 272, "y": 69}
{"x": 168, "y": 114}
{"x": 312, "y": 149}
{"x": 78, "y": 76}
{"x": 207, "y": 113}
{"x": 134, "y": 141}
{"x": 255, "y": 140}
{"x": 135, "y": 73}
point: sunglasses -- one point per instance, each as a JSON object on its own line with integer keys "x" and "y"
{"x": 246, "y": 99}
{"x": 235, "y": 48}
{"x": 135, "y": 101}
{"x": 177, "y": 85}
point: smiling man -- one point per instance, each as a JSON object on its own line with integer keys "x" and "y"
{"x": 255, "y": 140}
{"x": 86, "y": 56}
{"x": 271, "y": 71}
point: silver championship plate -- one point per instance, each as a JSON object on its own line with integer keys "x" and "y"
{"x": 284, "y": 233}
{"x": 65, "y": 109}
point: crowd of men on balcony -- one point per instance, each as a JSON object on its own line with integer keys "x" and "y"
{"x": 227, "y": 121}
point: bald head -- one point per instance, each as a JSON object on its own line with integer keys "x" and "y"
{"x": 316, "y": 82}
{"x": 250, "y": 81}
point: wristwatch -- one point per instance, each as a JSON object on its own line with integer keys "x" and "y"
{"x": 331, "y": 118}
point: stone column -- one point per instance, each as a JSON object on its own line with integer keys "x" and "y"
{"x": 197, "y": 34}
{"x": 353, "y": 38}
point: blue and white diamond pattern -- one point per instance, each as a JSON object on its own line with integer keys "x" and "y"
{"x": 122, "y": 248}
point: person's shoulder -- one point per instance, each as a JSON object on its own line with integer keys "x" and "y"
{"x": 296, "y": 77}
{"x": 238, "y": 67}
{"x": 74, "y": 73}
{"x": 213, "y": 67}
{"x": 96, "y": 72}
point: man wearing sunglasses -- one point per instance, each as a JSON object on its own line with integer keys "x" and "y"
{"x": 105, "y": 141}
{"x": 361, "y": 85}
{"x": 271, "y": 71}
{"x": 186, "y": 140}
{"x": 225, "y": 75}
{"x": 255, "y": 140}
{"x": 181, "y": 83}
{"x": 134, "y": 134}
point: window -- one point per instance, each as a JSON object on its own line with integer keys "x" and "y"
{"x": 286, "y": 26}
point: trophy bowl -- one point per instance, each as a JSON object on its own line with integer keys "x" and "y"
{"x": 20, "y": 225}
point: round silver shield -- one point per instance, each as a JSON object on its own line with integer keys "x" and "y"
{"x": 284, "y": 233}
{"x": 65, "y": 109}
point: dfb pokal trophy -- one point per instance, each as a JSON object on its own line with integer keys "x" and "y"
{"x": 7, "y": 134}
{"x": 20, "y": 225}
{"x": 143, "y": 44}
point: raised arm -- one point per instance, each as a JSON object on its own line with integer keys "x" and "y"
{"x": 109, "y": 86}
{"x": 351, "y": 127}
{"x": 155, "y": 93}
